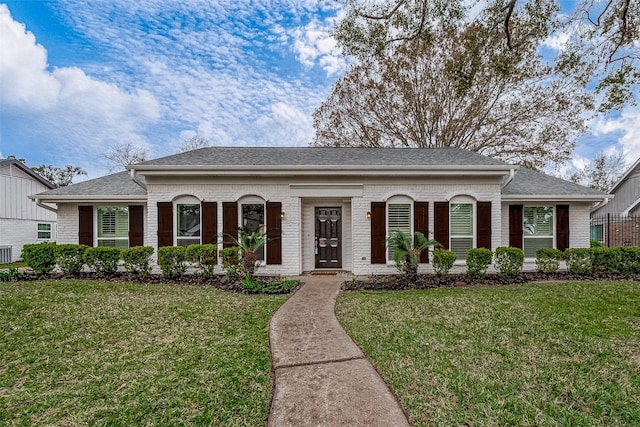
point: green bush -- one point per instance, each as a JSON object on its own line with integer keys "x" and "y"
{"x": 509, "y": 261}
{"x": 443, "y": 260}
{"x": 70, "y": 258}
{"x": 629, "y": 260}
{"x": 102, "y": 259}
{"x": 205, "y": 257}
{"x": 605, "y": 259}
{"x": 172, "y": 260}
{"x": 41, "y": 257}
{"x": 595, "y": 244}
{"x": 136, "y": 259}
{"x": 579, "y": 260}
{"x": 256, "y": 285}
{"x": 10, "y": 275}
{"x": 231, "y": 263}
{"x": 548, "y": 260}
{"x": 478, "y": 260}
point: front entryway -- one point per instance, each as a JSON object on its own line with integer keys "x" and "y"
{"x": 328, "y": 240}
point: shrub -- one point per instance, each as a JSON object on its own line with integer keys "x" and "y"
{"x": 70, "y": 258}
{"x": 40, "y": 257}
{"x": 579, "y": 260}
{"x": 509, "y": 261}
{"x": 136, "y": 259}
{"x": 595, "y": 244}
{"x": 172, "y": 260}
{"x": 443, "y": 260}
{"x": 231, "y": 263}
{"x": 10, "y": 275}
{"x": 629, "y": 260}
{"x": 256, "y": 285}
{"x": 205, "y": 256}
{"x": 606, "y": 259}
{"x": 548, "y": 260}
{"x": 478, "y": 260}
{"x": 102, "y": 259}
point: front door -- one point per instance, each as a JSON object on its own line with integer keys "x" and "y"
{"x": 328, "y": 239}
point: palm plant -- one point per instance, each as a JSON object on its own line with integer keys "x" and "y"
{"x": 407, "y": 250}
{"x": 248, "y": 243}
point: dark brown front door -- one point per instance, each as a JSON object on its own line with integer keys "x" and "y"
{"x": 328, "y": 238}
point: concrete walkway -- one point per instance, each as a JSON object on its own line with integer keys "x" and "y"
{"x": 321, "y": 377}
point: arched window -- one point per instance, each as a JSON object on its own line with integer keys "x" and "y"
{"x": 188, "y": 221}
{"x": 399, "y": 218}
{"x": 462, "y": 225}
{"x": 252, "y": 217}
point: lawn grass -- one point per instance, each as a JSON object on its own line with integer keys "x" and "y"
{"x": 547, "y": 354}
{"x": 97, "y": 353}
{"x": 17, "y": 264}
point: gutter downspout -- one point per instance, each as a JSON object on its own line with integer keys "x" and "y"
{"x": 47, "y": 207}
{"x": 512, "y": 173}
{"x": 135, "y": 179}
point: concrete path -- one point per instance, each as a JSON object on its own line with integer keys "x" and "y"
{"x": 321, "y": 377}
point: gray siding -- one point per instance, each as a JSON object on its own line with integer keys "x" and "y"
{"x": 626, "y": 194}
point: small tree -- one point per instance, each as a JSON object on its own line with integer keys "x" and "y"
{"x": 248, "y": 243}
{"x": 407, "y": 251}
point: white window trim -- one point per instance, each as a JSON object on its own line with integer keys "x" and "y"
{"x": 185, "y": 200}
{"x": 553, "y": 227}
{"x": 50, "y": 231}
{"x": 97, "y": 239}
{"x": 396, "y": 200}
{"x": 474, "y": 219}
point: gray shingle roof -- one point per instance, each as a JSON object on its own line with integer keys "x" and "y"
{"x": 117, "y": 184}
{"x": 323, "y": 156}
{"x": 530, "y": 182}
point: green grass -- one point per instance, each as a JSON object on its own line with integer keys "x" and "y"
{"x": 16, "y": 264}
{"x": 548, "y": 354}
{"x": 100, "y": 353}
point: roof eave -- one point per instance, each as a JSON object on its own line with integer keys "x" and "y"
{"x": 553, "y": 197}
{"x": 89, "y": 198}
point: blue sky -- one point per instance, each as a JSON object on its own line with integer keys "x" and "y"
{"x": 78, "y": 77}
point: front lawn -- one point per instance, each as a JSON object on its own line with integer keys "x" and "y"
{"x": 547, "y": 354}
{"x": 78, "y": 352}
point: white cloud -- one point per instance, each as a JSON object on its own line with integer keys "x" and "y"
{"x": 627, "y": 126}
{"x": 314, "y": 43}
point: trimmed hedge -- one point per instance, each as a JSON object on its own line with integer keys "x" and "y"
{"x": 629, "y": 260}
{"x": 579, "y": 260}
{"x": 509, "y": 261}
{"x": 443, "y": 260}
{"x": 40, "y": 257}
{"x": 548, "y": 260}
{"x": 136, "y": 260}
{"x": 231, "y": 263}
{"x": 70, "y": 258}
{"x": 173, "y": 261}
{"x": 204, "y": 256}
{"x": 102, "y": 259}
{"x": 478, "y": 260}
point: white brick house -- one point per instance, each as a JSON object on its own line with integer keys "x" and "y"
{"x": 21, "y": 220}
{"x": 326, "y": 208}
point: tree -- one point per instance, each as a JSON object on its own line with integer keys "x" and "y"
{"x": 462, "y": 88}
{"x": 602, "y": 172}
{"x": 121, "y": 155}
{"x": 194, "y": 143}
{"x": 248, "y": 244}
{"x": 407, "y": 251}
{"x": 60, "y": 177}
{"x": 602, "y": 44}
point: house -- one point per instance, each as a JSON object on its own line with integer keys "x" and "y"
{"x": 21, "y": 220}
{"x": 616, "y": 221}
{"x": 326, "y": 208}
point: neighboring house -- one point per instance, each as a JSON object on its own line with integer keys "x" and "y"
{"x": 21, "y": 220}
{"x": 616, "y": 221}
{"x": 326, "y": 208}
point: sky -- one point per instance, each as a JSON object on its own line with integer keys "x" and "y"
{"x": 78, "y": 77}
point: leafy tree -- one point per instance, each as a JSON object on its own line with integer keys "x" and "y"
{"x": 121, "y": 155}
{"x": 461, "y": 88}
{"x": 407, "y": 251}
{"x": 194, "y": 143}
{"x": 248, "y": 244}
{"x": 602, "y": 43}
{"x": 602, "y": 172}
{"x": 60, "y": 177}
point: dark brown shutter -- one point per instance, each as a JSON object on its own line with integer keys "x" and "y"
{"x": 562, "y": 227}
{"x": 515, "y": 226}
{"x": 209, "y": 223}
{"x": 165, "y": 224}
{"x": 421, "y": 224}
{"x": 483, "y": 235}
{"x": 136, "y": 225}
{"x": 85, "y": 225}
{"x": 229, "y": 222}
{"x": 274, "y": 233}
{"x": 378, "y": 232}
{"x": 441, "y": 220}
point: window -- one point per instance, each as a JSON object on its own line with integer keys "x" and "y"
{"x": 188, "y": 224}
{"x": 44, "y": 231}
{"x": 461, "y": 228}
{"x": 597, "y": 232}
{"x": 537, "y": 228}
{"x": 398, "y": 219}
{"x": 113, "y": 227}
{"x": 252, "y": 220}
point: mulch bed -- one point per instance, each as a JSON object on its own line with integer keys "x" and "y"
{"x": 430, "y": 281}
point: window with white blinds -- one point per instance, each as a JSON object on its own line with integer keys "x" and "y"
{"x": 113, "y": 226}
{"x": 461, "y": 228}
{"x": 537, "y": 228}
{"x": 398, "y": 219}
